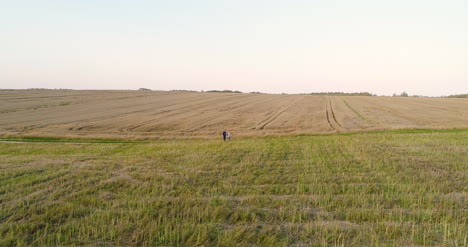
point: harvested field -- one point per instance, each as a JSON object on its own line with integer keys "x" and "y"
{"x": 141, "y": 114}
{"x": 388, "y": 188}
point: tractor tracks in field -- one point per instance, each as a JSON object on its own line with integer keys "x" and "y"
{"x": 173, "y": 111}
{"x": 331, "y": 118}
{"x": 371, "y": 122}
{"x": 234, "y": 109}
{"x": 275, "y": 115}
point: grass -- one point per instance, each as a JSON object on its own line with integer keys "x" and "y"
{"x": 371, "y": 189}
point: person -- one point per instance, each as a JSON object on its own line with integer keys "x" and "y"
{"x": 224, "y": 135}
{"x": 229, "y": 136}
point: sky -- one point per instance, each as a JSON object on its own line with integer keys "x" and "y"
{"x": 274, "y": 46}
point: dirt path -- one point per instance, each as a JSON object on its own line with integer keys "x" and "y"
{"x": 78, "y": 143}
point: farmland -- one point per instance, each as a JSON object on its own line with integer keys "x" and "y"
{"x": 391, "y": 188}
{"x": 142, "y": 168}
{"x": 142, "y": 114}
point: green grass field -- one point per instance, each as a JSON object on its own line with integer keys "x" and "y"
{"x": 390, "y": 188}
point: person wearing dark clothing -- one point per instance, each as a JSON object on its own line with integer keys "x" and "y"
{"x": 224, "y": 135}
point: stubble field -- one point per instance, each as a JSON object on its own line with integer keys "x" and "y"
{"x": 399, "y": 188}
{"x": 137, "y": 114}
{"x": 150, "y": 169}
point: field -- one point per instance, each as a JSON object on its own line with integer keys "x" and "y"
{"x": 390, "y": 188}
{"x": 142, "y": 114}
{"x": 142, "y": 168}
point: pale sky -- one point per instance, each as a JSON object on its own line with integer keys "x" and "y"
{"x": 274, "y": 46}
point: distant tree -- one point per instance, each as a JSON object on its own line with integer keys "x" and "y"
{"x": 344, "y": 94}
{"x": 458, "y": 96}
{"x": 144, "y": 89}
{"x": 223, "y": 91}
{"x": 404, "y": 94}
{"x": 182, "y": 90}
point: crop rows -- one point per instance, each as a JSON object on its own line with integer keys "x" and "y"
{"x": 135, "y": 114}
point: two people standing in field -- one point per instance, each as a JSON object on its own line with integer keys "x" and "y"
{"x": 226, "y": 135}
